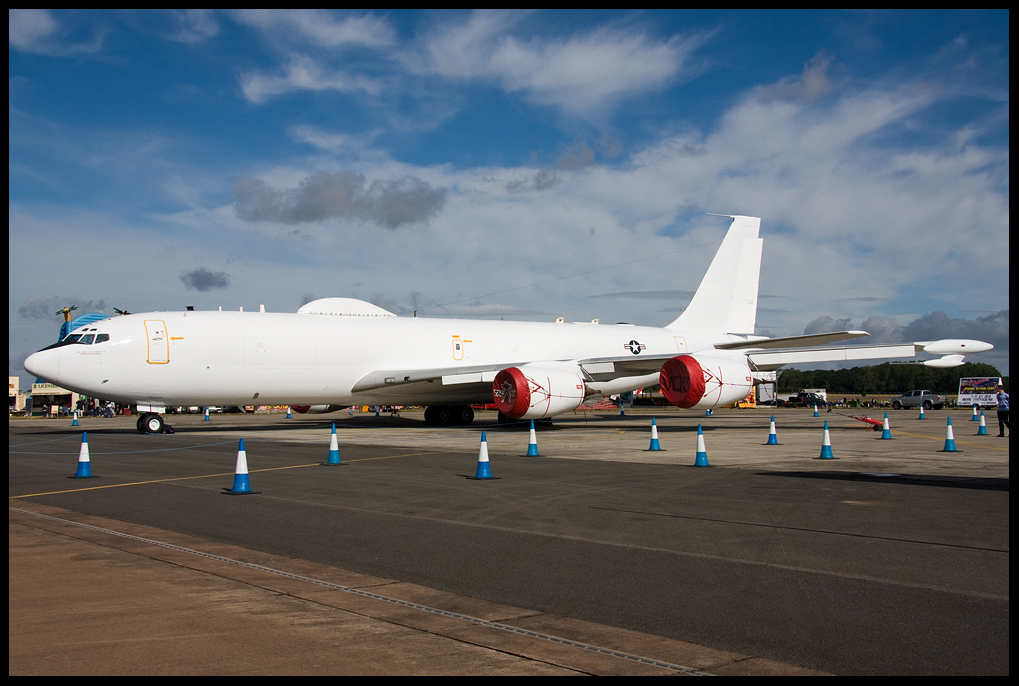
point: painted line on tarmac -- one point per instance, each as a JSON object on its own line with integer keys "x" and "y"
{"x": 376, "y": 596}
{"x": 941, "y": 438}
{"x": 125, "y": 452}
{"x": 206, "y": 476}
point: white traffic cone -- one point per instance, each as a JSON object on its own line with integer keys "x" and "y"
{"x": 532, "y": 443}
{"x": 826, "y": 453}
{"x": 241, "y": 484}
{"x": 334, "y": 450}
{"x": 772, "y": 436}
{"x": 84, "y": 463}
{"x": 484, "y": 471}
{"x": 701, "y": 460}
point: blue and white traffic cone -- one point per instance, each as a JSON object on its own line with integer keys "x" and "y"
{"x": 707, "y": 412}
{"x": 702, "y": 455}
{"x": 654, "y": 436}
{"x": 886, "y": 431}
{"x": 334, "y": 450}
{"x": 826, "y": 453}
{"x": 532, "y": 443}
{"x": 241, "y": 484}
{"x": 982, "y": 431}
{"x": 950, "y": 439}
{"x": 815, "y": 410}
{"x": 922, "y": 415}
{"x": 74, "y": 422}
{"x": 974, "y": 418}
{"x": 206, "y": 415}
{"x": 484, "y": 471}
{"x": 84, "y": 464}
{"x": 289, "y": 417}
{"x": 772, "y": 436}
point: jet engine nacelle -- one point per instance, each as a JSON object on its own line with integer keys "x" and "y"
{"x": 528, "y": 392}
{"x": 702, "y": 382}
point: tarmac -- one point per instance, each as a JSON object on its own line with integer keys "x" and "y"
{"x": 598, "y": 557}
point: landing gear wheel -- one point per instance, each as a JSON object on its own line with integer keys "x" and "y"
{"x": 444, "y": 414}
{"x": 150, "y": 423}
{"x": 430, "y": 414}
{"x": 465, "y": 413}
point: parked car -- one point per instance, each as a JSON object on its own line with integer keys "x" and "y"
{"x": 803, "y": 399}
{"x": 924, "y": 399}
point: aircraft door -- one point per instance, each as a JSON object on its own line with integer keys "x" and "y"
{"x": 158, "y": 343}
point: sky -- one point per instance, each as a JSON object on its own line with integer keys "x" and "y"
{"x": 516, "y": 165}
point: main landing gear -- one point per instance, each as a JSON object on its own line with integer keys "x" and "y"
{"x": 459, "y": 415}
{"x": 152, "y": 423}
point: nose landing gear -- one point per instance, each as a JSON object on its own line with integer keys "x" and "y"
{"x": 152, "y": 423}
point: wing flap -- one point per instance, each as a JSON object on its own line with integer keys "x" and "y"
{"x": 791, "y": 341}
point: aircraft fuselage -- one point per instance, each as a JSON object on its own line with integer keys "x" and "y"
{"x": 245, "y": 358}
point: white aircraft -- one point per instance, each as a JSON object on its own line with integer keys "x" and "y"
{"x": 338, "y": 352}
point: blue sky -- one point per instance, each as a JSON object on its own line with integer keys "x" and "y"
{"x": 159, "y": 159}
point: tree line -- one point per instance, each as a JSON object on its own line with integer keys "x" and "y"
{"x": 883, "y": 378}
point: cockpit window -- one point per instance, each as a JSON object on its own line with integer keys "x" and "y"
{"x": 80, "y": 339}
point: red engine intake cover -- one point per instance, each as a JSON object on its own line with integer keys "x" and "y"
{"x": 300, "y": 408}
{"x": 511, "y": 392}
{"x": 682, "y": 381}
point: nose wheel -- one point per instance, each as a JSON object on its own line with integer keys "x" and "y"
{"x": 151, "y": 423}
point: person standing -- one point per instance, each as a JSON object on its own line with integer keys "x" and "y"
{"x": 1002, "y": 410}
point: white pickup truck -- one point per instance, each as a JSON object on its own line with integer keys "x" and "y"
{"x": 926, "y": 399}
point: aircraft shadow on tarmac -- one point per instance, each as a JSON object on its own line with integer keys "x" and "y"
{"x": 982, "y": 484}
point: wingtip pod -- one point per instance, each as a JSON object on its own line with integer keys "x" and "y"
{"x": 946, "y": 362}
{"x": 953, "y": 346}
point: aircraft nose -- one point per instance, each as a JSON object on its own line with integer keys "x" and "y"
{"x": 44, "y": 364}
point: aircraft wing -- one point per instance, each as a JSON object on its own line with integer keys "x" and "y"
{"x": 765, "y": 354}
{"x": 611, "y": 367}
{"x": 449, "y": 376}
{"x": 593, "y": 368}
{"x": 951, "y": 351}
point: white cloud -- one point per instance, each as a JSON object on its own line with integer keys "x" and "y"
{"x": 35, "y": 30}
{"x": 194, "y": 25}
{"x": 320, "y": 27}
{"x": 29, "y": 28}
{"x": 301, "y": 72}
{"x": 581, "y": 75}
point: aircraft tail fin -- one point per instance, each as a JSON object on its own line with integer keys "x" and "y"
{"x": 726, "y": 300}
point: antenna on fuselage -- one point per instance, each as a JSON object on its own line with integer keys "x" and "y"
{"x": 66, "y": 311}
